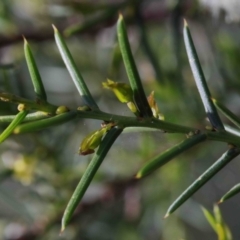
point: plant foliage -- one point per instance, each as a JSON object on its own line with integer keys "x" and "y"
{"x": 38, "y": 114}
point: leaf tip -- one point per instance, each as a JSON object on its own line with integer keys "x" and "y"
{"x": 138, "y": 175}
{"x": 62, "y": 229}
{"x": 54, "y": 28}
{"x": 166, "y": 215}
{"x": 185, "y": 23}
{"x": 120, "y": 16}
{"x": 24, "y": 39}
{"x": 220, "y": 201}
{"x": 214, "y": 100}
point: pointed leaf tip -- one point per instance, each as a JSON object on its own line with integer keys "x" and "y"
{"x": 138, "y": 176}
{"x": 62, "y": 228}
{"x": 132, "y": 72}
{"x": 24, "y": 39}
{"x": 54, "y": 28}
{"x": 200, "y": 80}
{"x": 185, "y": 22}
{"x": 61, "y": 231}
{"x": 166, "y": 216}
{"x": 120, "y": 16}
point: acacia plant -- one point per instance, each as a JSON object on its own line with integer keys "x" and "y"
{"x": 38, "y": 114}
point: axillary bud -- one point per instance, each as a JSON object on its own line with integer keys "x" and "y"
{"x": 93, "y": 140}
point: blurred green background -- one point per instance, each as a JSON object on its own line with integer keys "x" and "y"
{"x": 39, "y": 171}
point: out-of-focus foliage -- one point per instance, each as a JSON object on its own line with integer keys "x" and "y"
{"x": 38, "y": 172}
{"x": 217, "y": 223}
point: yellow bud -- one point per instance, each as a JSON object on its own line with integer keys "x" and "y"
{"x": 122, "y": 91}
{"x": 84, "y": 108}
{"x": 62, "y": 109}
{"x": 21, "y": 107}
{"x": 93, "y": 140}
{"x": 132, "y": 107}
{"x": 153, "y": 105}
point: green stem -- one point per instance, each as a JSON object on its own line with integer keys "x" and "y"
{"x": 28, "y": 104}
{"x": 223, "y": 137}
{"x": 30, "y": 117}
{"x": 135, "y": 122}
{"x": 45, "y": 123}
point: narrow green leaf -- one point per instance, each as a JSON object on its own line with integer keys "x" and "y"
{"x": 88, "y": 175}
{"x": 228, "y": 233}
{"x": 73, "y": 70}
{"x": 232, "y": 130}
{"x": 207, "y": 175}
{"x": 30, "y": 117}
{"x": 217, "y": 214}
{"x": 220, "y": 225}
{"x": 45, "y": 123}
{"x": 231, "y": 116}
{"x": 201, "y": 83}
{"x": 131, "y": 69}
{"x": 210, "y": 218}
{"x": 232, "y": 192}
{"x": 217, "y": 223}
{"x": 17, "y": 120}
{"x": 34, "y": 73}
{"x": 169, "y": 154}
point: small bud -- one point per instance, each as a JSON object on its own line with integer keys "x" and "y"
{"x": 122, "y": 91}
{"x": 209, "y": 128}
{"x": 93, "y": 140}
{"x": 153, "y": 105}
{"x": 62, "y": 109}
{"x": 132, "y": 107}
{"x": 21, "y": 107}
{"x": 84, "y": 108}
